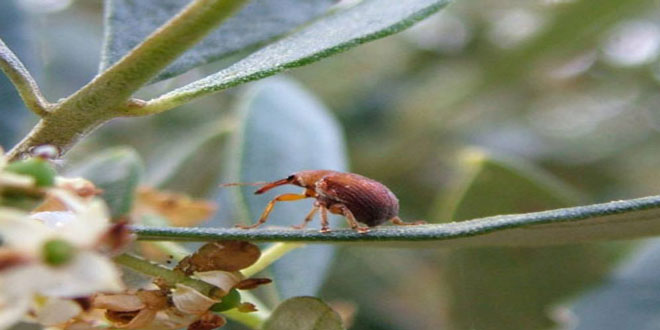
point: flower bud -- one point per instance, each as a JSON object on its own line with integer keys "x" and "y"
{"x": 57, "y": 252}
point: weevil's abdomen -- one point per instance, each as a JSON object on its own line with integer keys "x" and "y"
{"x": 370, "y": 201}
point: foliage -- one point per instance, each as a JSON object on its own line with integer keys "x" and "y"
{"x": 562, "y": 118}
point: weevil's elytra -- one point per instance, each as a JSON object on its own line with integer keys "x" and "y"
{"x": 358, "y": 198}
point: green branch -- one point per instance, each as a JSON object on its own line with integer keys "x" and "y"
{"x": 628, "y": 219}
{"x": 107, "y": 96}
{"x": 169, "y": 276}
{"x": 25, "y": 85}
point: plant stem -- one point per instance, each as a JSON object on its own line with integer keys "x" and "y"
{"x": 169, "y": 276}
{"x": 25, "y": 85}
{"x": 106, "y": 96}
{"x": 270, "y": 255}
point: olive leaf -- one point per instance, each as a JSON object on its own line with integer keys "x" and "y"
{"x": 128, "y": 22}
{"x": 335, "y": 33}
{"x": 283, "y": 129}
{"x": 617, "y": 220}
{"x": 117, "y": 171}
{"x": 303, "y": 313}
{"x": 523, "y": 283}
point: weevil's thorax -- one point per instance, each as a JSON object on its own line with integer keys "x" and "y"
{"x": 308, "y": 179}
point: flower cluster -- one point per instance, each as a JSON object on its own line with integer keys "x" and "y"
{"x": 59, "y": 252}
{"x": 55, "y": 256}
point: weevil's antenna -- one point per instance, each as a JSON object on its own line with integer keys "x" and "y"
{"x": 232, "y": 184}
{"x": 270, "y": 185}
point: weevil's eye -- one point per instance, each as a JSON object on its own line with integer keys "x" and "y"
{"x": 290, "y": 177}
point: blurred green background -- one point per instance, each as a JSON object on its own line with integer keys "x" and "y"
{"x": 489, "y": 107}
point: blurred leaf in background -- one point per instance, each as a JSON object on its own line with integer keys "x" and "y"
{"x": 13, "y": 114}
{"x": 507, "y": 288}
{"x": 628, "y": 299}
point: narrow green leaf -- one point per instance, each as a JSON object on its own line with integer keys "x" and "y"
{"x": 303, "y": 313}
{"x": 345, "y": 29}
{"x": 117, "y": 172}
{"x": 618, "y": 220}
{"x": 128, "y": 22}
{"x": 521, "y": 283}
{"x": 283, "y": 130}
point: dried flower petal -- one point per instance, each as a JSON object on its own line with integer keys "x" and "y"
{"x": 9, "y": 259}
{"x": 118, "y": 302}
{"x": 180, "y": 210}
{"x": 116, "y": 239}
{"x": 208, "y": 321}
{"x": 223, "y": 280}
{"x": 222, "y": 255}
{"x": 252, "y": 283}
{"x": 79, "y": 186}
{"x": 170, "y": 318}
{"x": 131, "y": 320}
{"x": 190, "y": 301}
{"x": 80, "y": 325}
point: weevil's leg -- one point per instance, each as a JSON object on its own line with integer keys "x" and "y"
{"x": 269, "y": 208}
{"x": 397, "y": 221}
{"x": 308, "y": 218}
{"x": 325, "y": 224}
{"x": 350, "y": 218}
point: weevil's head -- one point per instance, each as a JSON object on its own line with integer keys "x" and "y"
{"x": 305, "y": 179}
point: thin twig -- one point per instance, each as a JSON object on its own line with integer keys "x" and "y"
{"x": 25, "y": 85}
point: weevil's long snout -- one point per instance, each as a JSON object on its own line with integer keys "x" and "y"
{"x": 271, "y": 185}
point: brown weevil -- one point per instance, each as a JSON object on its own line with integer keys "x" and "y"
{"x": 357, "y": 198}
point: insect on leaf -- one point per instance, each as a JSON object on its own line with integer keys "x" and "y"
{"x": 284, "y": 130}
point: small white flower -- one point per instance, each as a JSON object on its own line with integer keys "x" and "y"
{"x": 78, "y": 270}
{"x": 57, "y": 311}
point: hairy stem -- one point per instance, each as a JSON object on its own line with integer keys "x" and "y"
{"x": 25, "y": 85}
{"x": 107, "y": 95}
{"x": 169, "y": 276}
